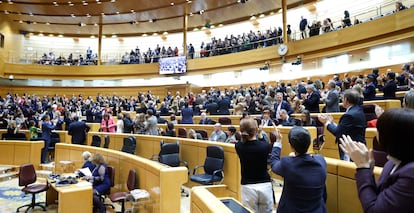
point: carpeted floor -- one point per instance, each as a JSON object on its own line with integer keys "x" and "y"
{"x": 11, "y": 197}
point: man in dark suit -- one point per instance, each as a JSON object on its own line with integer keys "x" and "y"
{"x": 311, "y": 99}
{"x": 352, "y": 123}
{"x": 369, "y": 91}
{"x": 295, "y": 170}
{"x": 281, "y": 104}
{"x": 285, "y": 120}
{"x": 223, "y": 105}
{"x": 204, "y": 119}
{"x": 211, "y": 107}
{"x": 128, "y": 124}
{"x": 78, "y": 130}
{"x": 390, "y": 86}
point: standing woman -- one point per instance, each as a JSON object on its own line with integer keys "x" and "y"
{"x": 107, "y": 124}
{"x": 47, "y": 127}
{"x": 186, "y": 114}
{"x": 120, "y": 123}
{"x": 256, "y": 186}
{"x": 100, "y": 181}
{"x": 394, "y": 191}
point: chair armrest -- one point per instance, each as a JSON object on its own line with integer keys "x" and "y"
{"x": 186, "y": 165}
{"x": 215, "y": 174}
{"x": 195, "y": 169}
{"x": 155, "y": 158}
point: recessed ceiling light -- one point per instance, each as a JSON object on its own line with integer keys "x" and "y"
{"x": 71, "y": 4}
{"x": 144, "y": 35}
{"x": 114, "y": 36}
{"x": 10, "y": 2}
{"x": 88, "y": 15}
{"x": 154, "y": 34}
{"x": 41, "y": 34}
{"x": 6, "y": 12}
{"x": 150, "y": 20}
{"x": 172, "y": 3}
{"x": 165, "y": 33}
{"x": 30, "y": 14}
{"x": 96, "y": 24}
{"x": 60, "y": 35}
{"x": 98, "y": 2}
{"x": 47, "y": 23}
{"x": 113, "y": 0}
{"x": 73, "y": 15}
{"x": 102, "y": 14}
{"x": 20, "y": 21}
{"x": 117, "y": 12}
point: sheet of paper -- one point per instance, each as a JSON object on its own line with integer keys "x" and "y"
{"x": 86, "y": 171}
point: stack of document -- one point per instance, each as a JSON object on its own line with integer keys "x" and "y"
{"x": 139, "y": 194}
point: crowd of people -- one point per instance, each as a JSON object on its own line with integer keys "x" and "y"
{"x": 272, "y": 103}
{"x": 50, "y": 59}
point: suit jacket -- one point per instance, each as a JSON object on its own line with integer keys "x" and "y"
{"x": 352, "y": 123}
{"x": 285, "y": 105}
{"x": 212, "y": 108}
{"x": 369, "y": 92}
{"x": 223, "y": 107}
{"x": 78, "y": 131}
{"x": 311, "y": 103}
{"x": 187, "y": 115}
{"x": 205, "y": 121}
{"x": 393, "y": 193}
{"x": 389, "y": 89}
{"x": 289, "y": 122}
{"x": 304, "y": 182}
{"x": 332, "y": 101}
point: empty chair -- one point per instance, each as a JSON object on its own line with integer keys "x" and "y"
{"x": 203, "y": 133}
{"x": 170, "y": 155}
{"x": 224, "y": 121}
{"x": 369, "y": 111}
{"x": 111, "y": 174}
{"x": 96, "y": 140}
{"x": 106, "y": 141}
{"x": 123, "y": 196}
{"x": 182, "y": 133}
{"x": 213, "y": 167}
{"x": 129, "y": 145}
{"x": 27, "y": 178}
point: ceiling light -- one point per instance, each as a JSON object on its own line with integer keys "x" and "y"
{"x": 154, "y": 34}
{"x": 92, "y": 36}
{"x": 81, "y": 24}
{"x": 51, "y": 35}
{"x": 261, "y": 15}
{"x": 117, "y": 12}
{"x": 144, "y": 35}
{"x": 150, "y": 20}
{"x": 73, "y": 15}
{"x": 60, "y": 35}
{"x": 172, "y": 3}
{"x": 10, "y": 2}
{"x": 102, "y": 14}
{"x": 191, "y": 14}
{"x": 98, "y": 2}
{"x": 34, "y": 22}
{"x": 20, "y": 21}
{"x": 165, "y": 33}
{"x": 114, "y": 36}
{"x": 88, "y": 15}
{"x": 30, "y": 14}
{"x": 132, "y": 10}
{"x": 47, "y": 23}
{"x": 41, "y": 34}
{"x": 201, "y": 12}
{"x": 71, "y": 4}
{"x": 113, "y": 0}
{"x": 6, "y": 12}
{"x": 189, "y": 2}
{"x": 96, "y": 24}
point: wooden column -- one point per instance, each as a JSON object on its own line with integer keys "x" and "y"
{"x": 100, "y": 40}
{"x": 185, "y": 25}
{"x": 284, "y": 11}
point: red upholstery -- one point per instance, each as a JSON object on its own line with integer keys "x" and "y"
{"x": 27, "y": 178}
{"x": 182, "y": 133}
{"x": 123, "y": 196}
{"x": 224, "y": 121}
{"x": 203, "y": 133}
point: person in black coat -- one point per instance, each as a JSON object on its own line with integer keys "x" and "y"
{"x": 311, "y": 99}
{"x": 78, "y": 130}
{"x": 370, "y": 90}
{"x": 211, "y": 107}
{"x": 223, "y": 105}
{"x": 352, "y": 123}
{"x": 204, "y": 119}
{"x": 128, "y": 124}
{"x": 390, "y": 86}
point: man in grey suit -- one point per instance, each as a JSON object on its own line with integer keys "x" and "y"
{"x": 332, "y": 98}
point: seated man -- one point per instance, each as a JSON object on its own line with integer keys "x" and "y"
{"x": 204, "y": 119}
{"x": 301, "y": 192}
{"x": 285, "y": 119}
{"x": 218, "y": 134}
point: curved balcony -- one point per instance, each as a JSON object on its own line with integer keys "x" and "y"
{"x": 391, "y": 28}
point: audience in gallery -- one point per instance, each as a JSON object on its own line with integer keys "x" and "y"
{"x": 391, "y": 192}
{"x": 218, "y": 46}
{"x": 256, "y": 100}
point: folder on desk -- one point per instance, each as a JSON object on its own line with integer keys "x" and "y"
{"x": 85, "y": 171}
{"x": 139, "y": 194}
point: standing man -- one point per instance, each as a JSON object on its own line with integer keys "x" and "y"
{"x": 128, "y": 124}
{"x": 352, "y": 123}
{"x": 303, "y": 25}
{"x": 332, "y": 98}
{"x": 311, "y": 99}
{"x": 281, "y": 104}
{"x": 78, "y": 130}
{"x": 369, "y": 91}
{"x": 47, "y": 127}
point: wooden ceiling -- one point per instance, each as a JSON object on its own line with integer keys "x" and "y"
{"x": 130, "y": 17}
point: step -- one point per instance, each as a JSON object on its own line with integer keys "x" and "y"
{"x": 8, "y": 176}
{"x": 8, "y": 168}
{"x": 47, "y": 166}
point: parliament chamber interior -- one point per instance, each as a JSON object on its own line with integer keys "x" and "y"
{"x": 195, "y": 68}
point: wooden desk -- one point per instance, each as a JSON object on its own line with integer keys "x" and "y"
{"x": 72, "y": 198}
